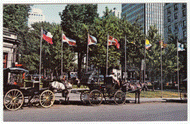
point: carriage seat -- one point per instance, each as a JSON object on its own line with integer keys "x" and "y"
{"x": 109, "y": 82}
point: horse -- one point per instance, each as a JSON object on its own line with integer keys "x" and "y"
{"x": 64, "y": 86}
{"x": 135, "y": 86}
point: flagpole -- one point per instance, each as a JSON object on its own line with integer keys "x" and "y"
{"x": 40, "y": 56}
{"x": 107, "y": 57}
{"x": 125, "y": 59}
{"x": 87, "y": 54}
{"x": 161, "y": 69}
{"x": 61, "y": 54}
{"x": 177, "y": 67}
{"x": 144, "y": 60}
{"x": 145, "y": 41}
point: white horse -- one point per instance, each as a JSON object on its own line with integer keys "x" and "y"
{"x": 65, "y": 87}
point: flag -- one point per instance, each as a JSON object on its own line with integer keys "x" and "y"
{"x": 163, "y": 45}
{"x": 92, "y": 40}
{"x": 147, "y": 44}
{"x": 181, "y": 47}
{"x": 113, "y": 41}
{"x": 69, "y": 41}
{"x": 132, "y": 42}
{"x": 47, "y": 36}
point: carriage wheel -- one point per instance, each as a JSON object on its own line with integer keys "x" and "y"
{"x": 84, "y": 97}
{"x": 13, "y": 99}
{"x": 95, "y": 97}
{"x": 119, "y": 97}
{"x": 47, "y": 98}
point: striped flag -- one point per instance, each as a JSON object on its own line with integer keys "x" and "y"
{"x": 163, "y": 45}
{"x": 67, "y": 40}
{"x": 180, "y": 47}
{"x": 47, "y": 36}
{"x": 92, "y": 40}
{"x": 147, "y": 44}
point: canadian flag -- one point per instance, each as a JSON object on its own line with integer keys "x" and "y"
{"x": 113, "y": 41}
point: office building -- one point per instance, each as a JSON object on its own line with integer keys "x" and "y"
{"x": 35, "y": 15}
{"x": 148, "y": 14}
{"x": 175, "y": 21}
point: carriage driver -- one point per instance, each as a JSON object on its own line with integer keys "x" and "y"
{"x": 114, "y": 77}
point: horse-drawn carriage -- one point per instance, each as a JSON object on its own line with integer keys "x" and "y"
{"x": 110, "y": 90}
{"x": 15, "y": 93}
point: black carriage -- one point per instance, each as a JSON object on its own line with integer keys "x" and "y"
{"x": 109, "y": 90}
{"x": 15, "y": 93}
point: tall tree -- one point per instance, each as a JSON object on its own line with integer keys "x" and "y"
{"x": 73, "y": 21}
{"x": 15, "y": 17}
{"x": 51, "y": 54}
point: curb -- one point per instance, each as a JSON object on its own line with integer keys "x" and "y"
{"x": 75, "y": 97}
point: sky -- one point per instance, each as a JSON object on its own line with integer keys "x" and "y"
{"x": 51, "y": 11}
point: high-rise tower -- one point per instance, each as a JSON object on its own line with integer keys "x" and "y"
{"x": 148, "y": 14}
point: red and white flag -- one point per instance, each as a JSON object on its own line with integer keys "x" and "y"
{"x": 69, "y": 41}
{"x": 113, "y": 41}
{"x": 92, "y": 40}
{"x": 47, "y": 36}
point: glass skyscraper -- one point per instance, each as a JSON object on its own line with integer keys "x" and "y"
{"x": 175, "y": 18}
{"x": 148, "y": 14}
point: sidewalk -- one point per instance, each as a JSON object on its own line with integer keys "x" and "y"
{"x": 75, "y": 96}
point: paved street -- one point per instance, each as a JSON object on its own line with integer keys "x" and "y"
{"x": 104, "y": 112}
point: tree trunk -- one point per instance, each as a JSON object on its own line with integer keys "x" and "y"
{"x": 45, "y": 75}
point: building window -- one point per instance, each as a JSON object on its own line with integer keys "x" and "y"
{"x": 184, "y": 23}
{"x": 175, "y": 16}
{"x": 176, "y": 35}
{"x": 175, "y": 7}
{"x": 168, "y": 11}
{"x": 169, "y": 29}
{"x": 176, "y": 26}
{"x": 184, "y": 33}
{"x": 184, "y": 13}
{"x": 169, "y": 20}
{"x": 183, "y": 5}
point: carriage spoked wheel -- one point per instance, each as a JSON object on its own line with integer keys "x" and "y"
{"x": 95, "y": 97}
{"x": 119, "y": 97}
{"x": 13, "y": 99}
{"x": 47, "y": 98}
{"x": 84, "y": 97}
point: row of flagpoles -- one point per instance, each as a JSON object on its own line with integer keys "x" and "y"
{"x": 110, "y": 41}
{"x": 91, "y": 41}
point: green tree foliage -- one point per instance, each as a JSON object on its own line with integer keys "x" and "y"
{"x": 75, "y": 18}
{"x": 15, "y": 16}
{"x": 135, "y": 44}
{"x": 153, "y": 56}
{"x": 169, "y": 57}
{"x": 51, "y": 54}
{"x": 171, "y": 60}
{"x": 100, "y": 29}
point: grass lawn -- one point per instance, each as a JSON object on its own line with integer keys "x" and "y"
{"x": 155, "y": 94}
{"x": 150, "y": 94}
